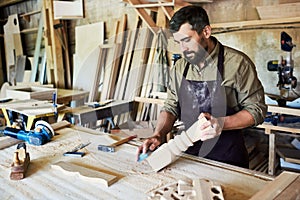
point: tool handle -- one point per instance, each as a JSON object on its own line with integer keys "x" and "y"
{"x": 124, "y": 140}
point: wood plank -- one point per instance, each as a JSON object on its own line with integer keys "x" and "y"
{"x": 292, "y": 192}
{"x": 111, "y": 69}
{"x": 8, "y": 142}
{"x": 20, "y": 68}
{"x": 94, "y": 90}
{"x": 121, "y": 37}
{"x": 131, "y": 40}
{"x": 137, "y": 68}
{"x": 147, "y": 82}
{"x": 149, "y": 100}
{"x": 278, "y": 128}
{"x": 283, "y": 110}
{"x": 251, "y": 23}
{"x": 68, "y": 9}
{"x": 48, "y": 44}
{"x": 144, "y": 16}
{"x": 87, "y": 173}
{"x": 11, "y": 38}
{"x": 88, "y": 39}
{"x": 274, "y": 188}
{"x": 37, "y": 49}
{"x": 56, "y": 47}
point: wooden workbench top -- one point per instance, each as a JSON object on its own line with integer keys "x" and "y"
{"x": 137, "y": 182}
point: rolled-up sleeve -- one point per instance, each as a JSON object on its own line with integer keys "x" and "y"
{"x": 251, "y": 95}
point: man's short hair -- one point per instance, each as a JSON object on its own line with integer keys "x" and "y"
{"x": 196, "y": 16}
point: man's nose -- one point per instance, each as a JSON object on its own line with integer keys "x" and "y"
{"x": 183, "y": 47}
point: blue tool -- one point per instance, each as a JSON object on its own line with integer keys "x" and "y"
{"x": 74, "y": 152}
{"x": 54, "y": 100}
{"x": 142, "y": 157}
{"x": 41, "y": 134}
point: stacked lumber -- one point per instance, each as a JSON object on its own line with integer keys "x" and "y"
{"x": 49, "y": 58}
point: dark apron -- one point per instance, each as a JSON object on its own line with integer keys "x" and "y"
{"x": 196, "y": 97}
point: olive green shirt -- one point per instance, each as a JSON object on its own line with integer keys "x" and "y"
{"x": 244, "y": 90}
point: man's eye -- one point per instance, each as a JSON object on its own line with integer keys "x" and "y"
{"x": 186, "y": 39}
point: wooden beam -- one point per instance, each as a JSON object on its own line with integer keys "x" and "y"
{"x": 4, "y": 3}
{"x": 149, "y": 100}
{"x": 56, "y": 48}
{"x": 87, "y": 173}
{"x": 241, "y": 24}
{"x": 145, "y": 16}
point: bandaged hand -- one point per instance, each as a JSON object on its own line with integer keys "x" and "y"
{"x": 210, "y": 128}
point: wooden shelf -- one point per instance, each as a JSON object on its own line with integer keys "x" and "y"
{"x": 251, "y": 23}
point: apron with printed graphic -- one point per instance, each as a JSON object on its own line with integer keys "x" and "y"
{"x": 196, "y": 97}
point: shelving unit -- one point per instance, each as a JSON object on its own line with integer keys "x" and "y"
{"x": 254, "y": 23}
{"x": 271, "y": 131}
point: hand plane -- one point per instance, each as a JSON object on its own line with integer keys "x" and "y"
{"x": 20, "y": 163}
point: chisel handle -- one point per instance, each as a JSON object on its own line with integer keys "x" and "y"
{"x": 123, "y": 140}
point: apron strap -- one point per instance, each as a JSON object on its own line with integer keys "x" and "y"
{"x": 221, "y": 61}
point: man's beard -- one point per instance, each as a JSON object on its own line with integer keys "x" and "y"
{"x": 195, "y": 57}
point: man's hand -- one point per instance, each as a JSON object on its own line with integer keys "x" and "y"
{"x": 149, "y": 144}
{"x": 210, "y": 128}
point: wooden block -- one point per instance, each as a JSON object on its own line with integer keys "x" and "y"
{"x": 193, "y": 131}
{"x": 291, "y": 192}
{"x": 20, "y": 68}
{"x": 20, "y": 163}
{"x": 200, "y": 189}
{"x": 68, "y": 9}
{"x": 275, "y": 188}
{"x": 206, "y": 189}
{"x": 33, "y": 92}
{"x": 168, "y": 152}
{"x": 161, "y": 157}
{"x": 60, "y": 125}
{"x": 174, "y": 147}
{"x": 8, "y": 142}
{"x": 12, "y": 37}
{"x": 100, "y": 176}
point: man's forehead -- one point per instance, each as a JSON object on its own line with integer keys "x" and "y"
{"x": 185, "y": 30}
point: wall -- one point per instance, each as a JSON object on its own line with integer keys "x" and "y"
{"x": 260, "y": 43}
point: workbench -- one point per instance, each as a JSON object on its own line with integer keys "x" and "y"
{"x": 31, "y": 109}
{"x": 137, "y": 179}
{"x": 84, "y": 115}
{"x": 67, "y": 96}
{"x": 272, "y": 130}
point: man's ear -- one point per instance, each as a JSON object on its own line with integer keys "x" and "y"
{"x": 207, "y": 31}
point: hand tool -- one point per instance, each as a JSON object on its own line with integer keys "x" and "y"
{"x": 41, "y": 134}
{"x": 74, "y": 152}
{"x": 143, "y": 156}
{"x": 20, "y": 162}
{"x": 111, "y": 148}
{"x": 54, "y": 101}
{"x": 99, "y": 104}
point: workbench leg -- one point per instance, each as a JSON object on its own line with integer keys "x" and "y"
{"x": 272, "y": 153}
{"x": 29, "y": 123}
{"x": 4, "y": 112}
